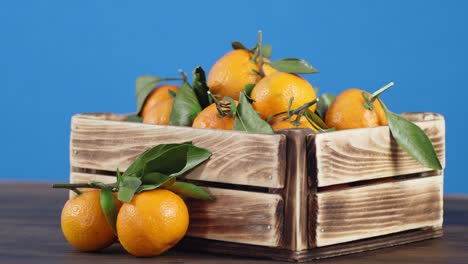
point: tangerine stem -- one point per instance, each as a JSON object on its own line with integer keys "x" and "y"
{"x": 172, "y": 79}
{"x": 380, "y": 91}
{"x": 93, "y": 185}
{"x": 259, "y": 47}
{"x": 295, "y": 111}
{"x": 218, "y": 104}
{"x": 184, "y": 76}
{"x": 75, "y": 190}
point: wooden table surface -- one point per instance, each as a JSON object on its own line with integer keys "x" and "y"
{"x": 30, "y": 233}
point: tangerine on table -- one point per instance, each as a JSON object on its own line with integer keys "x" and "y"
{"x": 232, "y": 72}
{"x": 160, "y": 113}
{"x": 152, "y": 223}
{"x": 159, "y": 94}
{"x": 84, "y": 224}
{"x": 210, "y": 118}
{"x": 272, "y": 94}
{"x": 348, "y": 111}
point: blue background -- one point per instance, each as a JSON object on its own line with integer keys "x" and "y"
{"x": 58, "y": 58}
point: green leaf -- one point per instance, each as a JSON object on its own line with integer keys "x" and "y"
{"x": 144, "y": 86}
{"x": 248, "y": 88}
{"x": 172, "y": 93}
{"x": 185, "y": 108}
{"x": 325, "y": 100}
{"x": 237, "y": 45}
{"x": 128, "y": 187}
{"x": 168, "y": 159}
{"x": 293, "y": 65}
{"x": 189, "y": 190}
{"x": 155, "y": 178}
{"x": 177, "y": 160}
{"x": 152, "y": 181}
{"x": 109, "y": 207}
{"x": 147, "y": 187}
{"x": 134, "y": 118}
{"x": 232, "y": 105}
{"x": 247, "y": 119}
{"x": 266, "y": 51}
{"x": 200, "y": 87}
{"x": 195, "y": 156}
{"x": 119, "y": 177}
{"x": 317, "y": 122}
{"x": 138, "y": 166}
{"x": 158, "y": 165}
{"x": 413, "y": 140}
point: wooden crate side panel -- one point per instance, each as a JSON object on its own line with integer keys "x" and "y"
{"x": 238, "y": 157}
{"x": 379, "y": 209}
{"x": 364, "y": 154}
{"x": 235, "y": 216}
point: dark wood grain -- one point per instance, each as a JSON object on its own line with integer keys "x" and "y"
{"x": 295, "y": 231}
{"x": 30, "y": 233}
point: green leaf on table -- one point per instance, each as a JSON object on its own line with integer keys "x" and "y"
{"x": 185, "y": 107}
{"x": 325, "y": 100}
{"x": 238, "y": 45}
{"x": 134, "y": 118}
{"x": 200, "y": 87}
{"x": 144, "y": 86}
{"x": 293, "y": 65}
{"x": 128, "y": 187}
{"x": 189, "y": 190}
{"x": 247, "y": 119}
{"x": 109, "y": 207}
{"x": 413, "y": 140}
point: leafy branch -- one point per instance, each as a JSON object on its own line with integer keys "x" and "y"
{"x": 158, "y": 167}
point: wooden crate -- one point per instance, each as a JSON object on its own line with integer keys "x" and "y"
{"x": 294, "y": 195}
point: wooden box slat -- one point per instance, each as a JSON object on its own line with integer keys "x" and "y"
{"x": 238, "y": 157}
{"x": 363, "y": 154}
{"x": 238, "y": 216}
{"x": 378, "y": 209}
{"x": 234, "y": 216}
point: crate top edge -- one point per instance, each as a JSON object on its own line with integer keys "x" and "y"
{"x": 120, "y": 118}
{"x": 415, "y": 117}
